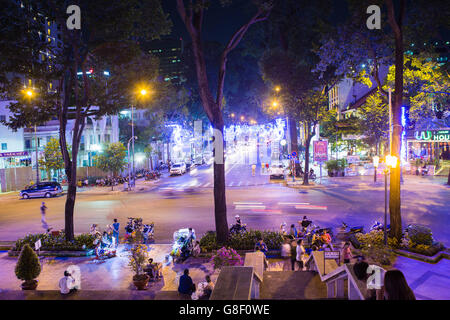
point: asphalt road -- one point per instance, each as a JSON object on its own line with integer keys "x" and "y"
{"x": 187, "y": 201}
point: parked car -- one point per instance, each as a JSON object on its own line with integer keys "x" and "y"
{"x": 41, "y": 189}
{"x": 277, "y": 171}
{"x": 178, "y": 168}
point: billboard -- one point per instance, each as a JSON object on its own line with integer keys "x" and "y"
{"x": 320, "y": 150}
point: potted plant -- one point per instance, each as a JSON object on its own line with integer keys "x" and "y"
{"x": 28, "y": 268}
{"x": 137, "y": 261}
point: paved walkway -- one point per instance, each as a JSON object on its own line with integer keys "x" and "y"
{"x": 110, "y": 274}
{"x": 428, "y": 281}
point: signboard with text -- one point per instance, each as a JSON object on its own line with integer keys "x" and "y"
{"x": 436, "y": 135}
{"x": 13, "y": 154}
{"x": 320, "y": 150}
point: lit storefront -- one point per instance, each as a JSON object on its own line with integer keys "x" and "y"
{"x": 14, "y": 159}
{"x": 428, "y": 145}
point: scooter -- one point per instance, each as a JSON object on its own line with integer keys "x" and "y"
{"x": 148, "y": 232}
{"x": 235, "y": 228}
{"x": 379, "y": 226}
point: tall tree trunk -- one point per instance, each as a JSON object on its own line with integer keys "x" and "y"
{"x": 294, "y": 141}
{"x": 220, "y": 203}
{"x": 308, "y": 137}
{"x": 394, "y": 196}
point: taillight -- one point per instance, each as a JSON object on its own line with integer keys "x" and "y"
{"x": 56, "y": 189}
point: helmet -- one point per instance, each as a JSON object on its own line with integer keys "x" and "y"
{"x": 236, "y": 216}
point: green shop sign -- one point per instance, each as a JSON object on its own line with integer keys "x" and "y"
{"x": 438, "y": 135}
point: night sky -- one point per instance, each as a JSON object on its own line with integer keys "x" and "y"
{"x": 220, "y": 23}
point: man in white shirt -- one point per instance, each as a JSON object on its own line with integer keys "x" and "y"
{"x": 66, "y": 283}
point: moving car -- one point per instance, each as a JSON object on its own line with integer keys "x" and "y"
{"x": 178, "y": 168}
{"x": 277, "y": 171}
{"x": 41, "y": 189}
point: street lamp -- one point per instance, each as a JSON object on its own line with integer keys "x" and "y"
{"x": 129, "y": 167}
{"x": 391, "y": 162}
{"x": 29, "y": 94}
{"x": 143, "y": 93}
{"x": 376, "y": 162}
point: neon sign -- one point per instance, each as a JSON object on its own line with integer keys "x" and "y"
{"x": 438, "y": 135}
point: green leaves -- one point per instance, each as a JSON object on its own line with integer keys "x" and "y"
{"x": 112, "y": 159}
{"x": 28, "y": 266}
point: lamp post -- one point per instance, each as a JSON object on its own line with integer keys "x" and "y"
{"x": 376, "y": 162}
{"x": 391, "y": 162}
{"x": 129, "y": 167}
{"x": 29, "y": 94}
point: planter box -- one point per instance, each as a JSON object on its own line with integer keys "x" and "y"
{"x": 433, "y": 259}
{"x": 85, "y": 253}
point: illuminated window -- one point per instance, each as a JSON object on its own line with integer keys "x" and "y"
{"x": 48, "y": 32}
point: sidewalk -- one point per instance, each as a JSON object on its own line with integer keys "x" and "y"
{"x": 428, "y": 281}
{"x": 110, "y": 274}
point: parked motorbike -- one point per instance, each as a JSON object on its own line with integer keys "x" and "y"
{"x": 236, "y": 228}
{"x": 148, "y": 232}
{"x": 379, "y": 226}
{"x": 349, "y": 234}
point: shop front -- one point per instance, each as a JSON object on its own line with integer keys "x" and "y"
{"x": 428, "y": 145}
{"x": 14, "y": 159}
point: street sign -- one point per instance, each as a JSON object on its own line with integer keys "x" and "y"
{"x": 37, "y": 244}
{"x": 330, "y": 255}
{"x": 320, "y": 150}
{"x": 294, "y": 154}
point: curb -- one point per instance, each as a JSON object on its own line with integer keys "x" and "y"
{"x": 57, "y": 253}
{"x": 444, "y": 254}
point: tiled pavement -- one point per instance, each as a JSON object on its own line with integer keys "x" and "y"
{"x": 428, "y": 281}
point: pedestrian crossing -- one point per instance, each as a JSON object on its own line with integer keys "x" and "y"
{"x": 211, "y": 185}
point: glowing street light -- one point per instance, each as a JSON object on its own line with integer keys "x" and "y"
{"x": 143, "y": 92}
{"x": 277, "y": 88}
{"x": 242, "y": 118}
{"x": 232, "y": 115}
{"x": 29, "y": 94}
{"x": 391, "y": 162}
{"x": 275, "y": 104}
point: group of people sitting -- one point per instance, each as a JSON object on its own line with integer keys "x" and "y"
{"x": 105, "y": 243}
{"x": 153, "y": 270}
{"x": 318, "y": 240}
{"x": 188, "y": 290}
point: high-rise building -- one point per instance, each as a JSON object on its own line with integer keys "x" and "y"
{"x": 169, "y": 52}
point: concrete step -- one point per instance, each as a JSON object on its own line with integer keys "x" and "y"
{"x": 292, "y": 285}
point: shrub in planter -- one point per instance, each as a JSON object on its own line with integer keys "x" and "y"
{"x": 137, "y": 262}
{"x": 425, "y": 249}
{"x": 226, "y": 257}
{"x": 243, "y": 241}
{"x": 420, "y": 234}
{"x": 28, "y": 268}
{"x": 81, "y": 242}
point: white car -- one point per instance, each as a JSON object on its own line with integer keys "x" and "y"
{"x": 178, "y": 168}
{"x": 277, "y": 171}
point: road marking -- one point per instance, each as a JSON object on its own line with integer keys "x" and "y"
{"x": 311, "y": 207}
{"x": 231, "y": 184}
{"x": 292, "y": 203}
{"x": 246, "y": 203}
{"x": 246, "y": 207}
{"x": 247, "y": 183}
{"x": 240, "y": 182}
{"x": 207, "y": 184}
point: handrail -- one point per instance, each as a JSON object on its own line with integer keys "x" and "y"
{"x": 344, "y": 271}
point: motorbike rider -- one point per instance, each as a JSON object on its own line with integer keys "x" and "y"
{"x": 311, "y": 173}
{"x": 238, "y": 222}
{"x": 305, "y": 223}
